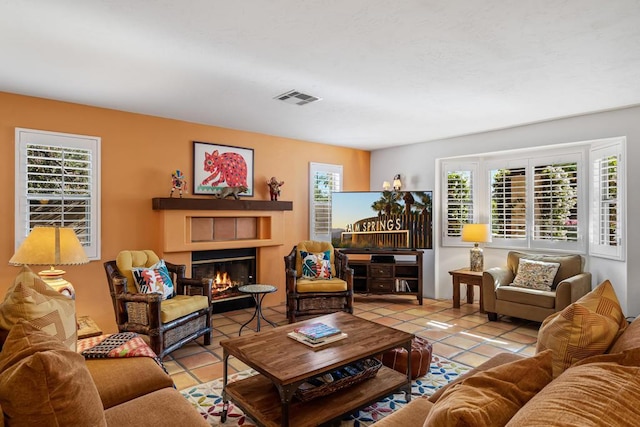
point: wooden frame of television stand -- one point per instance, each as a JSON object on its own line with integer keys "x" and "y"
{"x": 386, "y": 278}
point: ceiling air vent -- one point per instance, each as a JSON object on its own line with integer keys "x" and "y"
{"x": 297, "y": 98}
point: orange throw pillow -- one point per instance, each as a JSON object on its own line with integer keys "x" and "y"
{"x": 43, "y": 383}
{"x": 585, "y": 328}
{"x": 492, "y": 397}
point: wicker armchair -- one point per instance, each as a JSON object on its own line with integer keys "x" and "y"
{"x": 307, "y": 297}
{"x": 169, "y": 323}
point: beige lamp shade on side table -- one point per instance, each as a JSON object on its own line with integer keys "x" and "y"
{"x": 51, "y": 246}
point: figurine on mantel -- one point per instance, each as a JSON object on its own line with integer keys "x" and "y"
{"x": 232, "y": 191}
{"x": 178, "y": 182}
{"x": 274, "y": 187}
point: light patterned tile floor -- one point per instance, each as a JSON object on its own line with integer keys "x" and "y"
{"x": 464, "y": 335}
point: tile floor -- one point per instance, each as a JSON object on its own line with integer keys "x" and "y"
{"x": 464, "y": 335}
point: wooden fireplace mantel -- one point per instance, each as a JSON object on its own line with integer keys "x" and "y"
{"x": 169, "y": 203}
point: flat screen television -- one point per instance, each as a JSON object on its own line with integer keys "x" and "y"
{"x": 381, "y": 219}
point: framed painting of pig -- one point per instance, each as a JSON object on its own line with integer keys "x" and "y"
{"x": 216, "y": 167}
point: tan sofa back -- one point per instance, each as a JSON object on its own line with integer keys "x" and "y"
{"x": 570, "y": 265}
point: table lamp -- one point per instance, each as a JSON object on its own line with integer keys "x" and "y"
{"x": 51, "y": 246}
{"x": 476, "y": 233}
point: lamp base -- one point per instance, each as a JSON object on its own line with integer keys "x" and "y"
{"x": 54, "y": 279}
{"x": 477, "y": 258}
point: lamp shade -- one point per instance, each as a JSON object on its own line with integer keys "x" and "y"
{"x": 477, "y": 233}
{"x": 50, "y": 246}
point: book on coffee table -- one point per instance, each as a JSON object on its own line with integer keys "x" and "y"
{"x": 317, "y": 331}
{"x": 317, "y": 343}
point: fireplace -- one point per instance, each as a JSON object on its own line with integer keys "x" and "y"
{"x": 229, "y": 269}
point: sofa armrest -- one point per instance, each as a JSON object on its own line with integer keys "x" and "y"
{"x": 121, "y": 379}
{"x": 497, "y": 360}
{"x": 491, "y": 279}
{"x": 572, "y": 289}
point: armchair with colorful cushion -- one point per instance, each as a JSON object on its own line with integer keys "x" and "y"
{"x": 154, "y": 298}
{"x": 318, "y": 279}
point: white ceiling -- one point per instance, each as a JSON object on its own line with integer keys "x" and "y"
{"x": 389, "y": 72}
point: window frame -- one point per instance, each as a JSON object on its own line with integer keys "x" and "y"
{"x": 24, "y": 138}
{"x": 471, "y": 167}
{"x": 577, "y": 152}
{"x": 610, "y": 147}
{"x": 314, "y": 170}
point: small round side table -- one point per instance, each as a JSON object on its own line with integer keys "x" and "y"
{"x": 258, "y": 292}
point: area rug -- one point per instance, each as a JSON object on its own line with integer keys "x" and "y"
{"x": 206, "y": 398}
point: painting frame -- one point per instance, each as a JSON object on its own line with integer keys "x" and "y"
{"x": 229, "y": 166}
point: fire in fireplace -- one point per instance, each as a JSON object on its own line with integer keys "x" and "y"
{"x": 229, "y": 269}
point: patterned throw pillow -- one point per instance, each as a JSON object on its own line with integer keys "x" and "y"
{"x": 535, "y": 274}
{"x": 155, "y": 279}
{"x": 30, "y": 298}
{"x": 585, "y": 328}
{"x": 316, "y": 266}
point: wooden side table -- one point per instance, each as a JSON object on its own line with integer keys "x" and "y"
{"x": 87, "y": 328}
{"x": 471, "y": 279}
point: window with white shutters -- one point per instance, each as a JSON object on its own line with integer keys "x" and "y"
{"x": 57, "y": 184}
{"x": 607, "y": 200}
{"x": 459, "y": 199}
{"x": 532, "y": 199}
{"x": 323, "y": 180}
{"x": 508, "y": 203}
{"x": 555, "y": 209}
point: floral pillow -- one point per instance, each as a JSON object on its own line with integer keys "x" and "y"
{"x": 155, "y": 279}
{"x": 536, "y": 274}
{"x": 316, "y": 265}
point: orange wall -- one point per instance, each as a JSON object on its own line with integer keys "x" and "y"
{"x": 138, "y": 154}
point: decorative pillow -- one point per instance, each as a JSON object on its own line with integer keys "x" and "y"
{"x": 43, "y": 383}
{"x": 155, "y": 279}
{"x": 629, "y": 339}
{"x": 316, "y": 265}
{"x": 535, "y": 274}
{"x": 492, "y": 397}
{"x": 30, "y": 298}
{"x": 585, "y": 328}
{"x": 595, "y": 394}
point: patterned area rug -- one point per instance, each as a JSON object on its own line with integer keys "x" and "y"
{"x": 207, "y": 397}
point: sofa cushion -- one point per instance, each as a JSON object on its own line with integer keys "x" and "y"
{"x": 30, "y": 298}
{"x": 539, "y": 298}
{"x": 594, "y": 394}
{"x": 570, "y": 265}
{"x": 630, "y": 338}
{"x": 43, "y": 383}
{"x": 334, "y": 284}
{"x": 585, "y": 328}
{"x": 113, "y": 378}
{"x": 165, "y": 407}
{"x": 413, "y": 414}
{"x": 629, "y": 357}
{"x": 497, "y": 360}
{"x": 493, "y": 396}
{"x": 535, "y": 274}
{"x": 181, "y": 305}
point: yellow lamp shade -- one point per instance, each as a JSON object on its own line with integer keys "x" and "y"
{"x": 50, "y": 246}
{"x": 477, "y": 233}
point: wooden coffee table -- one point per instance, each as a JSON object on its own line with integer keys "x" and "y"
{"x": 285, "y": 363}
